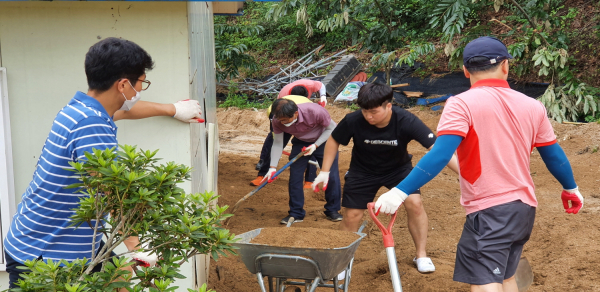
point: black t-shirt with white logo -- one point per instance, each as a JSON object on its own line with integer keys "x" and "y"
{"x": 381, "y": 150}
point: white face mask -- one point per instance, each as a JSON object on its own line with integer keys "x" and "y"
{"x": 291, "y": 123}
{"x": 128, "y": 104}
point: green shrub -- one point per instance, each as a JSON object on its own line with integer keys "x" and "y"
{"x": 134, "y": 196}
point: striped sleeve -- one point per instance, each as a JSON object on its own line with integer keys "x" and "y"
{"x": 91, "y": 132}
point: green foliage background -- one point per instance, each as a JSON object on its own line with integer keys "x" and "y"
{"x": 552, "y": 41}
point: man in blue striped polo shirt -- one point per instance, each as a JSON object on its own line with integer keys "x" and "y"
{"x": 116, "y": 74}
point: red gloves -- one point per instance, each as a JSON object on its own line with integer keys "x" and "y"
{"x": 309, "y": 150}
{"x": 269, "y": 176}
{"x": 576, "y": 200}
{"x": 323, "y": 177}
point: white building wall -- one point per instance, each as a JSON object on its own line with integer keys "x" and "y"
{"x": 203, "y": 88}
{"x": 43, "y": 46}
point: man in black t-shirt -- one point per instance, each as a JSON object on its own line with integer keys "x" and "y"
{"x": 381, "y": 133}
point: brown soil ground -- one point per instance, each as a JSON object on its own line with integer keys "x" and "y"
{"x": 305, "y": 237}
{"x": 563, "y": 250}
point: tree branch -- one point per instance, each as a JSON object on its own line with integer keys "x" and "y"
{"x": 362, "y": 26}
{"x": 103, "y": 253}
{"x": 500, "y": 22}
{"x": 384, "y": 16}
{"x": 96, "y": 199}
{"x": 192, "y": 253}
{"x": 530, "y": 21}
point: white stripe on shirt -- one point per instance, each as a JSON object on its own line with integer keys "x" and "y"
{"x": 53, "y": 201}
{"x": 89, "y": 136}
{"x": 48, "y": 182}
{"x": 51, "y": 234}
{"x": 47, "y": 217}
{"x": 75, "y": 109}
{"x": 68, "y": 117}
{"x": 56, "y": 155}
{"x": 63, "y": 126}
{"x": 56, "y": 134}
{"x": 51, "y": 209}
{"x": 58, "y": 175}
{"x": 56, "y": 165}
{"x": 93, "y": 125}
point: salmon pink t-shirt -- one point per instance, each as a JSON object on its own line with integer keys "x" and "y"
{"x": 500, "y": 127}
{"x": 310, "y": 85}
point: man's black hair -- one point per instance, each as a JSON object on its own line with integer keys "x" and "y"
{"x": 481, "y": 69}
{"x": 299, "y": 90}
{"x": 112, "y": 59}
{"x": 374, "y": 95}
{"x": 284, "y": 108}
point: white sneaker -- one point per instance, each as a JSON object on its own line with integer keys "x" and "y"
{"x": 424, "y": 265}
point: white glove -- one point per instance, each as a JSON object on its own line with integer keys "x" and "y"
{"x": 310, "y": 149}
{"x": 188, "y": 111}
{"x": 145, "y": 258}
{"x": 323, "y": 177}
{"x": 576, "y": 199}
{"x": 323, "y": 102}
{"x": 268, "y": 177}
{"x": 389, "y": 202}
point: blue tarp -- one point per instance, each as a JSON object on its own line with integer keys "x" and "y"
{"x": 427, "y": 101}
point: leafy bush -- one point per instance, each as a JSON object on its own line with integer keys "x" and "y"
{"x": 540, "y": 43}
{"x": 135, "y": 196}
{"x": 231, "y": 56}
{"x": 241, "y": 101}
{"x": 408, "y": 30}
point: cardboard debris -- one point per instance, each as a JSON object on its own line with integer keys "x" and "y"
{"x": 399, "y": 85}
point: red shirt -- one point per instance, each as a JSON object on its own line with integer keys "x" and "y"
{"x": 310, "y": 85}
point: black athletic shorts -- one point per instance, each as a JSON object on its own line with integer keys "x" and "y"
{"x": 492, "y": 242}
{"x": 360, "y": 188}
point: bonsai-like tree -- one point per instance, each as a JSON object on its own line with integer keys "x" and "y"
{"x": 130, "y": 194}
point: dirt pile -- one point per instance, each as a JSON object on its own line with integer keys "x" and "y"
{"x": 305, "y": 238}
{"x": 244, "y": 131}
{"x": 564, "y": 250}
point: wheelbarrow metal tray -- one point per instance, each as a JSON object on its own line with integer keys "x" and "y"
{"x": 331, "y": 261}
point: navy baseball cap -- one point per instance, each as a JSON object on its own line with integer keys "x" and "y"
{"x": 489, "y": 47}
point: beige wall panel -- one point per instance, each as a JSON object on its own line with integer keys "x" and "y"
{"x": 43, "y": 46}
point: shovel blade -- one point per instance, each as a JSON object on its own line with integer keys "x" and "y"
{"x": 524, "y": 275}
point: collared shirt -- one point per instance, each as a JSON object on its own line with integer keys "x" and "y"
{"x": 41, "y": 225}
{"x": 500, "y": 127}
{"x": 311, "y": 123}
{"x": 310, "y": 85}
{"x": 297, "y": 99}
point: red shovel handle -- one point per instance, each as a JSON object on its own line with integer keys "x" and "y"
{"x": 388, "y": 239}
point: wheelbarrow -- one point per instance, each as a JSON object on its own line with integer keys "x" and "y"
{"x": 317, "y": 267}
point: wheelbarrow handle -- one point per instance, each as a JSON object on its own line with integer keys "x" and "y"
{"x": 388, "y": 239}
